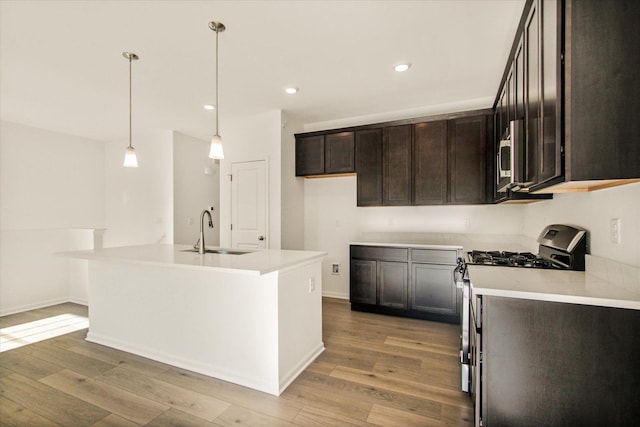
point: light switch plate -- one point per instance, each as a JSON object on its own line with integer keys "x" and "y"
{"x": 614, "y": 230}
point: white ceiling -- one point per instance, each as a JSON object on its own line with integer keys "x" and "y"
{"x": 62, "y": 66}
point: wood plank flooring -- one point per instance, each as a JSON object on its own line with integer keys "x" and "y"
{"x": 376, "y": 370}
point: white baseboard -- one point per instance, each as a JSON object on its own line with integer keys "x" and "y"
{"x": 32, "y": 306}
{"x": 338, "y": 295}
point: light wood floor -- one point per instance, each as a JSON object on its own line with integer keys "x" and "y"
{"x": 376, "y": 370}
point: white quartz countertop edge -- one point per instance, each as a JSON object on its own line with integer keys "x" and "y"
{"x": 569, "y": 299}
{"x": 257, "y": 262}
{"x": 573, "y": 287}
{"x": 408, "y": 245}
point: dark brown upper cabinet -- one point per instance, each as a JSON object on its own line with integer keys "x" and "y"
{"x": 369, "y": 167}
{"x": 327, "y": 154}
{"x": 396, "y": 165}
{"x": 467, "y": 160}
{"x": 339, "y": 153}
{"x": 578, "y": 62}
{"x": 310, "y": 155}
{"x": 423, "y": 161}
{"x": 430, "y": 163}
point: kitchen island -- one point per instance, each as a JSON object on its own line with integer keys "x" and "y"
{"x": 253, "y": 319}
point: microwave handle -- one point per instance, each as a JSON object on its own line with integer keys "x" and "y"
{"x": 504, "y": 173}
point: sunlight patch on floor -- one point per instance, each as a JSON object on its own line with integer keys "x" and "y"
{"x": 28, "y": 333}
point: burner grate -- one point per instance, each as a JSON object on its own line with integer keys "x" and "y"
{"x": 509, "y": 259}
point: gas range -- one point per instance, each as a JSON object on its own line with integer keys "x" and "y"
{"x": 561, "y": 247}
{"x": 509, "y": 259}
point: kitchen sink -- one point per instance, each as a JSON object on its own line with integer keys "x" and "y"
{"x": 218, "y": 251}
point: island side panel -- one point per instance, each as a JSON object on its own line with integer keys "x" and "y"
{"x": 223, "y": 325}
{"x": 299, "y": 319}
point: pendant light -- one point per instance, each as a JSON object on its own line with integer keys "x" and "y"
{"x": 215, "y": 152}
{"x": 130, "y": 159}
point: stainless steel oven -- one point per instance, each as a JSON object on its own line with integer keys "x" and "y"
{"x": 463, "y": 283}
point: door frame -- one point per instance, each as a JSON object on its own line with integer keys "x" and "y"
{"x": 267, "y": 199}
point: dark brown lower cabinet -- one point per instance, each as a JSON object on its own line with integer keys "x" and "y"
{"x": 363, "y": 281}
{"x": 403, "y": 281}
{"x": 432, "y": 291}
{"x": 550, "y": 363}
{"x": 392, "y": 282}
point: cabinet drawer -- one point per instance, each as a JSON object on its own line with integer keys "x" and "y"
{"x": 381, "y": 253}
{"x": 434, "y": 256}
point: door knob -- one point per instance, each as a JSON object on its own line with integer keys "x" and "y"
{"x": 260, "y": 238}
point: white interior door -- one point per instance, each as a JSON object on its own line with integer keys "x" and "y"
{"x": 249, "y": 189}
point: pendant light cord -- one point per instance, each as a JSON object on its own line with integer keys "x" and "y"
{"x": 129, "y": 101}
{"x": 217, "y": 105}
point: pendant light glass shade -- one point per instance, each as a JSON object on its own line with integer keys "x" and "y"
{"x": 130, "y": 159}
{"x": 215, "y": 151}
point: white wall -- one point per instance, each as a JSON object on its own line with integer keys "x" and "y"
{"x": 196, "y": 185}
{"x": 50, "y": 179}
{"x": 332, "y": 221}
{"x": 52, "y": 195}
{"x": 252, "y": 138}
{"x": 593, "y": 211}
{"x": 139, "y": 201}
{"x": 292, "y": 187}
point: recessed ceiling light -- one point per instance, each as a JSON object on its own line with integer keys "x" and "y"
{"x": 402, "y": 67}
{"x": 209, "y": 107}
{"x": 291, "y": 90}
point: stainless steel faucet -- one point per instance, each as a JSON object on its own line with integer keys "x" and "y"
{"x": 201, "y": 249}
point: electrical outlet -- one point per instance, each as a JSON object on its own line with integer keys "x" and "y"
{"x": 312, "y": 284}
{"x": 614, "y": 230}
{"x": 335, "y": 268}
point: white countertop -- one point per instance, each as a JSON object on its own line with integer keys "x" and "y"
{"x": 410, "y": 245}
{"x": 575, "y": 287}
{"x": 257, "y": 262}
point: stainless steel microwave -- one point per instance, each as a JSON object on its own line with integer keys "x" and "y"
{"x": 511, "y": 159}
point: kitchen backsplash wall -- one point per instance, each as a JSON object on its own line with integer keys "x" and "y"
{"x": 594, "y": 211}
{"x": 332, "y": 221}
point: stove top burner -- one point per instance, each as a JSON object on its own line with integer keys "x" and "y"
{"x": 510, "y": 259}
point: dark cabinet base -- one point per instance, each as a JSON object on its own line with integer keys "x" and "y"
{"x": 413, "y": 314}
{"x": 550, "y": 363}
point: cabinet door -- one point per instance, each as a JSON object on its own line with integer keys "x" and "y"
{"x": 339, "y": 153}
{"x": 363, "y": 281}
{"x": 518, "y": 76}
{"x": 310, "y": 155}
{"x": 396, "y": 165}
{"x": 393, "y": 284}
{"x": 467, "y": 160}
{"x": 369, "y": 167}
{"x": 550, "y": 144}
{"x": 532, "y": 93}
{"x": 430, "y": 163}
{"x": 433, "y": 289}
